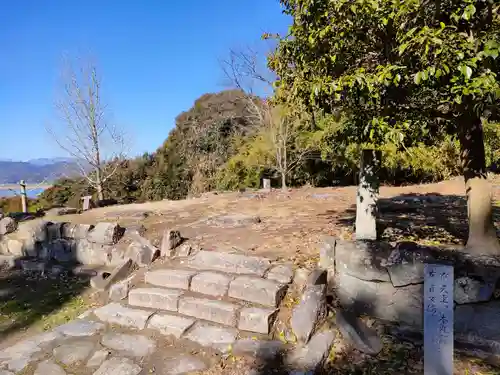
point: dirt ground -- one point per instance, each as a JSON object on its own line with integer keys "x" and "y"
{"x": 291, "y": 225}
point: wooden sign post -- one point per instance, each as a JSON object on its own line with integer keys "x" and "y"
{"x": 438, "y": 319}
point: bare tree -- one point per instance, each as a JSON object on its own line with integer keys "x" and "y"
{"x": 85, "y": 132}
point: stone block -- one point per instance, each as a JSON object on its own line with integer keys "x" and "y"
{"x": 170, "y": 278}
{"x": 282, "y": 274}
{"x": 155, "y": 298}
{"x": 356, "y": 332}
{"x": 118, "y": 366}
{"x": 211, "y": 310}
{"x": 252, "y": 289}
{"x": 327, "y": 253}
{"x": 54, "y": 230}
{"x": 381, "y": 299}
{"x": 405, "y": 264}
{"x": 219, "y": 338}
{"x": 138, "y": 238}
{"x": 184, "y": 364}
{"x": 7, "y": 225}
{"x": 317, "y": 277}
{"x": 129, "y": 345}
{"x": 311, "y": 356}
{"x": 309, "y": 313}
{"x": 49, "y": 367}
{"x": 80, "y": 328}
{"x": 8, "y": 262}
{"x": 300, "y": 277}
{"x": 61, "y": 250}
{"x": 114, "y": 313}
{"x": 255, "y": 319}
{"x": 184, "y": 250}
{"x": 211, "y": 283}
{"x": 16, "y": 247}
{"x": 171, "y": 239}
{"x": 172, "y": 325}
{"x": 106, "y": 233}
{"x": 91, "y": 253}
{"x": 469, "y": 289}
{"x": 119, "y": 291}
{"x": 140, "y": 254}
{"x": 231, "y": 263}
{"x": 362, "y": 259}
{"x": 76, "y": 231}
{"x": 33, "y": 230}
{"x": 103, "y": 281}
{"x": 259, "y": 349}
{"x": 98, "y": 358}
{"x": 70, "y": 353}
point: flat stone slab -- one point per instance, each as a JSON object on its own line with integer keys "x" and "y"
{"x": 257, "y": 290}
{"x": 129, "y": 345}
{"x": 282, "y": 274}
{"x": 155, "y": 298}
{"x": 255, "y": 319}
{"x": 98, "y": 358}
{"x": 174, "y": 278}
{"x": 118, "y": 366}
{"x": 125, "y": 316}
{"x": 258, "y": 348}
{"x": 49, "y": 367}
{"x": 355, "y": 331}
{"x": 211, "y": 283}
{"x": 311, "y": 356}
{"x": 206, "y": 334}
{"x": 214, "y": 311}
{"x": 231, "y": 263}
{"x": 168, "y": 324}
{"x": 80, "y": 328}
{"x": 73, "y": 352}
{"x": 309, "y": 312}
{"x": 183, "y": 364}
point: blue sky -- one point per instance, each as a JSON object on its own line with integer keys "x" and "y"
{"x": 155, "y": 57}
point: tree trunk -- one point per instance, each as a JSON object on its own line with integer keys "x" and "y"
{"x": 98, "y": 178}
{"x": 283, "y": 181}
{"x": 482, "y": 237}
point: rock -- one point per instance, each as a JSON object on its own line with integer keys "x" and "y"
{"x": 155, "y": 298}
{"x": 206, "y": 334}
{"x": 327, "y": 253}
{"x": 129, "y": 345}
{"x": 255, "y": 319}
{"x": 15, "y": 247}
{"x": 211, "y": 310}
{"x": 233, "y": 221}
{"x": 357, "y": 333}
{"x": 230, "y": 263}
{"x": 168, "y": 324}
{"x": 60, "y": 211}
{"x": 171, "y": 239}
{"x": 106, "y": 233}
{"x": 32, "y": 266}
{"x": 118, "y": 366}
{"x": 61, "y": 250}
{"x": 87, "y": 252}
{"x": 134, "y": 229}
{"x": 211, "y": 283}
{"x": 184, "y": 364}
{"x": 8, "y": 262}
{"x": 310, "y": 311}
{"x": 184, "y": 250}
{"x": 98, "y": 358}
{"x": 170, "y": 278}
{"x": 257, "y": 348}
{"x": 7, "y": 225}
{"x": 140, "y": 254}
{"x": 5, "y": 372}
{"x": 406, "y": 264}
{"x": 48, "y": 367}
{"x": 33, "y": 231}
{"x": 317, "y": 277}
{"x": 101, "y": 282}
{"x": 312, "y": 355}
{"x": 80, "y": 328}
{"x": 469, "y": 289}
{"x": 76, "y": 231}
{"x": 119, "y": 291}
{"x": 362, "y": 259}
{"x": 73, "y": 352}
{"x": 300, "y": 277}
{"x": 381, "y": 299}
{"x": 282, "y": 274}
{"x": 114, "y": 313}
{"x": 251, "y": 289}
{"x": 54, "y": 230}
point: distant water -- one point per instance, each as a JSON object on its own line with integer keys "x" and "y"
{"x": 32, "y": 193}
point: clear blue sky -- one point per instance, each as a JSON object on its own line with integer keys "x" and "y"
{"x": 156, "y": 57}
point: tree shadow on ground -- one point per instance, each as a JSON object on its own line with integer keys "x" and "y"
{"x": 29, "y": 297}
{"x": 431, "y": 218}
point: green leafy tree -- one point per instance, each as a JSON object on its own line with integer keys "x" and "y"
{"x": 408, "y": 71}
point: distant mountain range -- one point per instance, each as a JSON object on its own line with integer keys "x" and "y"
{"x": 36, "y": 170}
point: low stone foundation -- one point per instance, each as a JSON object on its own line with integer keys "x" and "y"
{"x": 372, "y": 278}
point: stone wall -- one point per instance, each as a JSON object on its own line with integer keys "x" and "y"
{"x": 102, "y": 244}
{"x": 373, "y": 278}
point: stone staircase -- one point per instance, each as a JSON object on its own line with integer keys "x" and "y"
{"x": 209, "y": 298}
